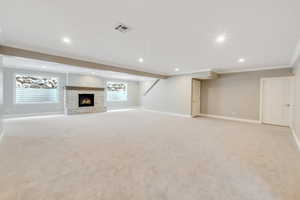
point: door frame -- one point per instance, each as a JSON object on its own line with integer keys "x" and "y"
{"x": 192, "y": 92}
{"x": 291, "y": 78}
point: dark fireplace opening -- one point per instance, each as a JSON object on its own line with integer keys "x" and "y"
{"x": 86, "y": 100}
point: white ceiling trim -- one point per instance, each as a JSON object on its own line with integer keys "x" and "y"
{"x": 36, "y": 65}
{"x": 252, "y": 69}
{"x": 23, "y": 53}
{"x": 227, "y": 71}
{"x": 191, "y": 72}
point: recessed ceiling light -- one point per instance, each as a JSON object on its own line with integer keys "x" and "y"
{"x": 221, "y": 38}
{"x": 176, "y": 69}
{"x": 141, "y": 60}
{"x": 241, "y": 60}
{"x": 44, "y": 67}
{"x": 66, "y": 40}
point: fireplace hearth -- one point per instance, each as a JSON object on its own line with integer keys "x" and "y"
{"x": 86, "y": 100}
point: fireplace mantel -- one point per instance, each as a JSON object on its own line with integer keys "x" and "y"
{"x": 83, "y": 88}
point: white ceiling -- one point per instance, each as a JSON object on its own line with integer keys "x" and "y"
{"x": 168, "y": 34}
{"x": 30, "y": 64}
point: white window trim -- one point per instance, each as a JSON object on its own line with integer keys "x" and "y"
{"x": 117, "y": 82}
{"x": 39, "y": 75}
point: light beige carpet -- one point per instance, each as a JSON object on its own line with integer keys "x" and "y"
{"x": 138, "y": 155}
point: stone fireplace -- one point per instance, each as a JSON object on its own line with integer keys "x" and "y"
{"x": 84, "y": 100}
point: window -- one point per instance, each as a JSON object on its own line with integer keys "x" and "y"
{"x": 116, "y": 91}
{"x": 36, "y": 89}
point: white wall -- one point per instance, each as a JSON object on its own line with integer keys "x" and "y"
{"x": 1, "y": 96}
{"x": 84, "y": 80}
{"x": 236, "y": 94}
{"x": 133, "y": 95}
{"x": 296, "y": 123}
{"x": 174, "y": 94}
{"x": 12, "y": 109}
{"x": 168, "y": 95}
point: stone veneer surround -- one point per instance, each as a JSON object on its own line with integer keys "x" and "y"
{"x": 72, "y": 95}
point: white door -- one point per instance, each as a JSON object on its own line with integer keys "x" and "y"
{"x": 196, "y": 97}
{"x": 276, "y": 100}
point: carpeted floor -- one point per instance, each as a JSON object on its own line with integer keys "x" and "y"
{"x": 139, "y": 155}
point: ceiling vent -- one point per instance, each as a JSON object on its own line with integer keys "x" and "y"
{"x": 122, "y": 28}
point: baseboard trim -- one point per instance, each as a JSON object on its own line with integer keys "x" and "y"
{"x": 296, "y": 138}
{"x": 230, "y": 118}
{"x": 167, "y": 113}
{"x": 9, "y": 116}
